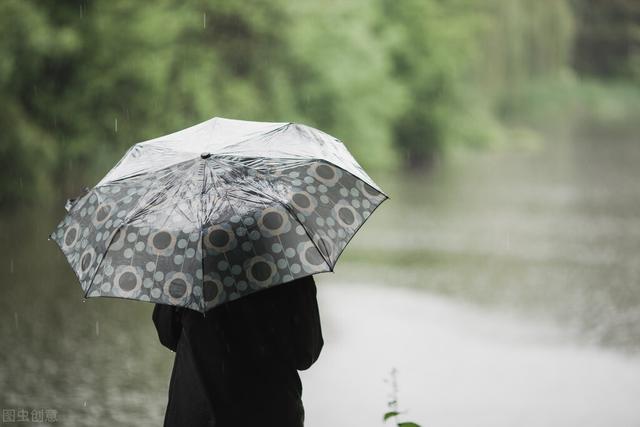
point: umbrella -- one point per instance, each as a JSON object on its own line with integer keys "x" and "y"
{"x": 215, "y": 212}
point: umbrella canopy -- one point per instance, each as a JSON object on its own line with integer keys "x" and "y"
{"x": 217, "y": 211}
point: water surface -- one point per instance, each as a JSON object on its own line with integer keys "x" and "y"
{"x": 528, "y": 256}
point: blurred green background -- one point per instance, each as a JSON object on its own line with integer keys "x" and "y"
{"x": 401, "y": 82}
{"x": 505, "y": 132}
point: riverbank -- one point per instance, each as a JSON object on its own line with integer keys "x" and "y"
{"x": 459, "y": 365}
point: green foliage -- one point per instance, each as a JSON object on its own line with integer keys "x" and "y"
{"x": 398, "y": 81}
{"x": 82, "y": 82}
{"x": 420, "y": 47}
{"x": 608, "y": 38}
{"x": 341, "y": 80}
{"x": 390, "y": 414}
{"x": 573, "y": 102}
{"x": 27, "y": 46}
{"x": 394, "y": 412}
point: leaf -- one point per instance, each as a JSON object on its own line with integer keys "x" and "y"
{"x": 408, "y": 424}
{"x": 390, "y": 414}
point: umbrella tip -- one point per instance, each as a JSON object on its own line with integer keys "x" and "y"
{"x": 205, "y": 155}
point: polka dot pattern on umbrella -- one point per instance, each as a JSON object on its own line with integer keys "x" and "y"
{"x": 210, "y": 229}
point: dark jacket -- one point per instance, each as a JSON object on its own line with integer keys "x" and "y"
{"x": 237, "y": 365}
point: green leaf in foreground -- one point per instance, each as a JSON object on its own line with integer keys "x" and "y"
{"x": 390, "y": 414}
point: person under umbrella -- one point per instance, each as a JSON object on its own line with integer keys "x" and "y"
{"x": 237, "y": 366}
{"x": 222, "y": 225}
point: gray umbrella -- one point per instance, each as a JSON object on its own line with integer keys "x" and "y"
{"x": 217, "y": 211}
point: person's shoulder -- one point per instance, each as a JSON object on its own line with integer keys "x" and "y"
{"x": 306, "y": 284}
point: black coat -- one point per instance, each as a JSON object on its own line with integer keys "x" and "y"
{"x": 237, "y": 366}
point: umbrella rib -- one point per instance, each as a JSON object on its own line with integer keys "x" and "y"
{"x": 360, "y": 226}
{"x": 223, "y": 195}
{"x": 138, "y": 173}
{"x": 164, "y": 186}
{"x": 288, "y": 208}
{"x": 125, "y": 221}
{"x": 292, "y": 212}
{"x": 202, "y": 222}
{"x": 106, "y": 250}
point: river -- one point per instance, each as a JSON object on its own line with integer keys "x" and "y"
{"x": 503, "y": 287}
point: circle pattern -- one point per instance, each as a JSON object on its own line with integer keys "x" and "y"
{"x": 127, "y": 280}
{"x": 346, "y": 215}
{"x": 260, "y": 270}
{"x": 294, "y": 225}
{"x": 117, "y": 239}
{"x": 325, "y": 173}
{"x": 71, "y": 235}
{"x": 212, "y": 290}
{"x": 102, "y": 213}
{"x": 311, "y": 259}
{"x": 273, "y": 222}
{"x": 161, "y": 242}
{"x": 86, "y": 260}
{"x": 177, "y": 287}
{"x": 219, "y": 238}
{"x": 303, "y": 201}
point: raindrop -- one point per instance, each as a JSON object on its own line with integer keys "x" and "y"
{"x": 204, "y": 20}
{"x": 116, "y": 124}
{"x": 15, "y": 316}
{"x": 97, "y": 328}
{"x": 84, "y": 300}
{"x": 11, "y": 266}
{"x": 85, "y": 403}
